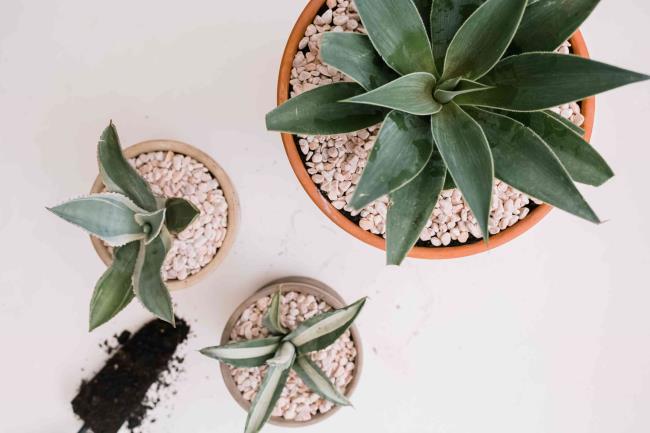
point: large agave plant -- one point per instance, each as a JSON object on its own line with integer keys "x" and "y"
{"x": 285, "y": 350}
{"x": 137, "y": 224}
{"x": 463, "y": 88}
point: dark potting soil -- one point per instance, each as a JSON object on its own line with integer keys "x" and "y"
{"x": 140, "y": 362}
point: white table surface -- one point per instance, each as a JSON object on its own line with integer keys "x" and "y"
{"x": 547, "y": 334}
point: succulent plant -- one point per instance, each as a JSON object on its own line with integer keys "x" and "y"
{"x": 286, "y": 350}
{"x": 137, "y": 224}
{"x": 463, "y": 88}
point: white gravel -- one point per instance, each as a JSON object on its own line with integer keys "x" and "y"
{"x": 335, "y": 163}
{"x": 176, "y": 175}
{"x": 297, "y": 402}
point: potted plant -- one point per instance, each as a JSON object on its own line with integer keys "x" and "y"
{"x": 290, "y": 353}
{"x": 464, "y": 92}
{"x": 134, "y": 227}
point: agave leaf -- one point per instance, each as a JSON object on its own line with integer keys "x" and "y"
{"x": 424, "y": 8}
{"x": 180, "y": 214}
{"x": 466, "y": 153}
{"x": 355, "y": 56}
{"x": 117, "y": 173}
{"x": 319, "y": 112}
{"x": 446, "y": 18}
{"x": 582, "y": 161}
{"x": 324, "y": 329}
{"x": 267, "y": 397}
{"x": 394, "y": 25}
{"x": 284, "y": 356}
{"x": 566, "y": 122}
{"x": 318, "y": 381}
{"x": 536, "y": 81}
{"x": 401, "y": 151}
{"x": 148, "y": 284}
{"x": 483, "y": 39}
{"x": 245, "y": 354}
{"x": 523, "y": 160}
{"x": 463, "y": 86}
{"x": 548, "y": 23}
{"x": 410, "y": 209}
{"x": 449, "y": 183}
{"x": 114, "y": 290}
{"x": 152, "y": 223}
{"x": 109, "y": 216}
{"x": 272, "y": 317}
{"x": 411, "y": 94}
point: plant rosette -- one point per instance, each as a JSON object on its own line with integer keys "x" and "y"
{"x": 290, "y": 354}
{"x": 452, "y": 118}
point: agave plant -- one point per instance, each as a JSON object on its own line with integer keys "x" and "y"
{"x": 463, "y": 88}
{"x": 137, "y": 224}
{"x": 284, "y": 351}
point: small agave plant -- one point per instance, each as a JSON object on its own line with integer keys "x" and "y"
{"x": 463, "y": 88}
{"x": 284, "y": 351}
{"x": 137, "y": 224}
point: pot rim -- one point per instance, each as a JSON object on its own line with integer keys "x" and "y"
{"x": 224, "y": 183}
{"x": 432, "y": 253}
{"x": 302, "y": 285}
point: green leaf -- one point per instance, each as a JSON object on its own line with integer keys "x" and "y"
{"x": 424, "y": 8}
{"x": 109, "y": 216}
{"x": 449, "y": 183}
{"x": 117, "y": 173}
{"x": 319, "y": 112}
{"x": 463, "y": 86}
{"x": 483, "y": 39}
{"x": 245, "y": 354}
{"x": 398, "y": 34}
{"x": 582, "y": 161}
{"x": 401, "y": 151}
{"x": 466, "y": 153}
{"x": 355, "y": 56}
{"x": 284, "y": 357}
{"x": 324, "y": 329}
{"x": 410, "y": 209}
{"x": 548, "y": 23}
{"x": 446, "y": 18}
{"x": 411, "y": 93}
{"x": 272, "y": 317}
{"x": 536, "y": 81}
{"x": 267, "y": 397}
{"x": 524, "y": 161}
{"x": 148, "y": 284}
{"x": 151, "y": 223}
{"x": 566, "y": 122}
{"x": 318, "y": 381}
{"x": 180, "y": 214}
{"x": 114, "y": 290}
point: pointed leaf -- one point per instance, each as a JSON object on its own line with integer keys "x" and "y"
{"x": 318, "y": 381}
{"x": 446, "y": 18}
{"x": 319, "y": 112}
{"x": 324, "y": 329}
{"x": 393, "y": 25}
{"x": 117, "y": 173}
{"x": 411, "y": 93}
{"x": 566, "y": 122}
{"x": 401, "y": 151}
{"x": 410, "y": 209}
{"x": 272, "y": 317}
{"x": 148, "y": 284}
{"x": 483, "y": 39}
{"x": 109, "y": 216}
{"x": 464, "y": 86}
{"x": 284, "y": 356}
{"x": 524, "y": 161}
{"x": 466, "y": 153}
{"x": 548, "y": 23}
{"x": 114, "y": 290}
{"x": 536, "y": 81}
{"x": 267, "y": 397}
{"x": 180, "y": 214}
{"x": 581, "y": 160}
{"x": 152, "y": 223}
{"x": 245, "y": 354}
{"x": 355, "y": 56}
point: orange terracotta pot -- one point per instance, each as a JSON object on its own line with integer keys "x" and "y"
{"x": 536, "y": 215}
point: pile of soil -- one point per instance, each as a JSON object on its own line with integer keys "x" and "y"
{"x": 117, "y": 394}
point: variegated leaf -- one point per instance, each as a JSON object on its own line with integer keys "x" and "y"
{"x": 148, "y": 284}
{"x": 318, "y": 381}
{"x": 180, "y": 214}
{"x": 284, "y": 356}
{"x": 151, "y": 223}
{"x": 272, "y": 317}
{"x": 245, "y": 354}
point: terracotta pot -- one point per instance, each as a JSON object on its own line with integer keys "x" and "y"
{"x": 224, "y": 183}
{"x": 306, "y": 286}
{"x": 291, "y": 148}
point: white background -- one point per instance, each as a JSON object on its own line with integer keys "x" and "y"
{"x": 547, "y": 334}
